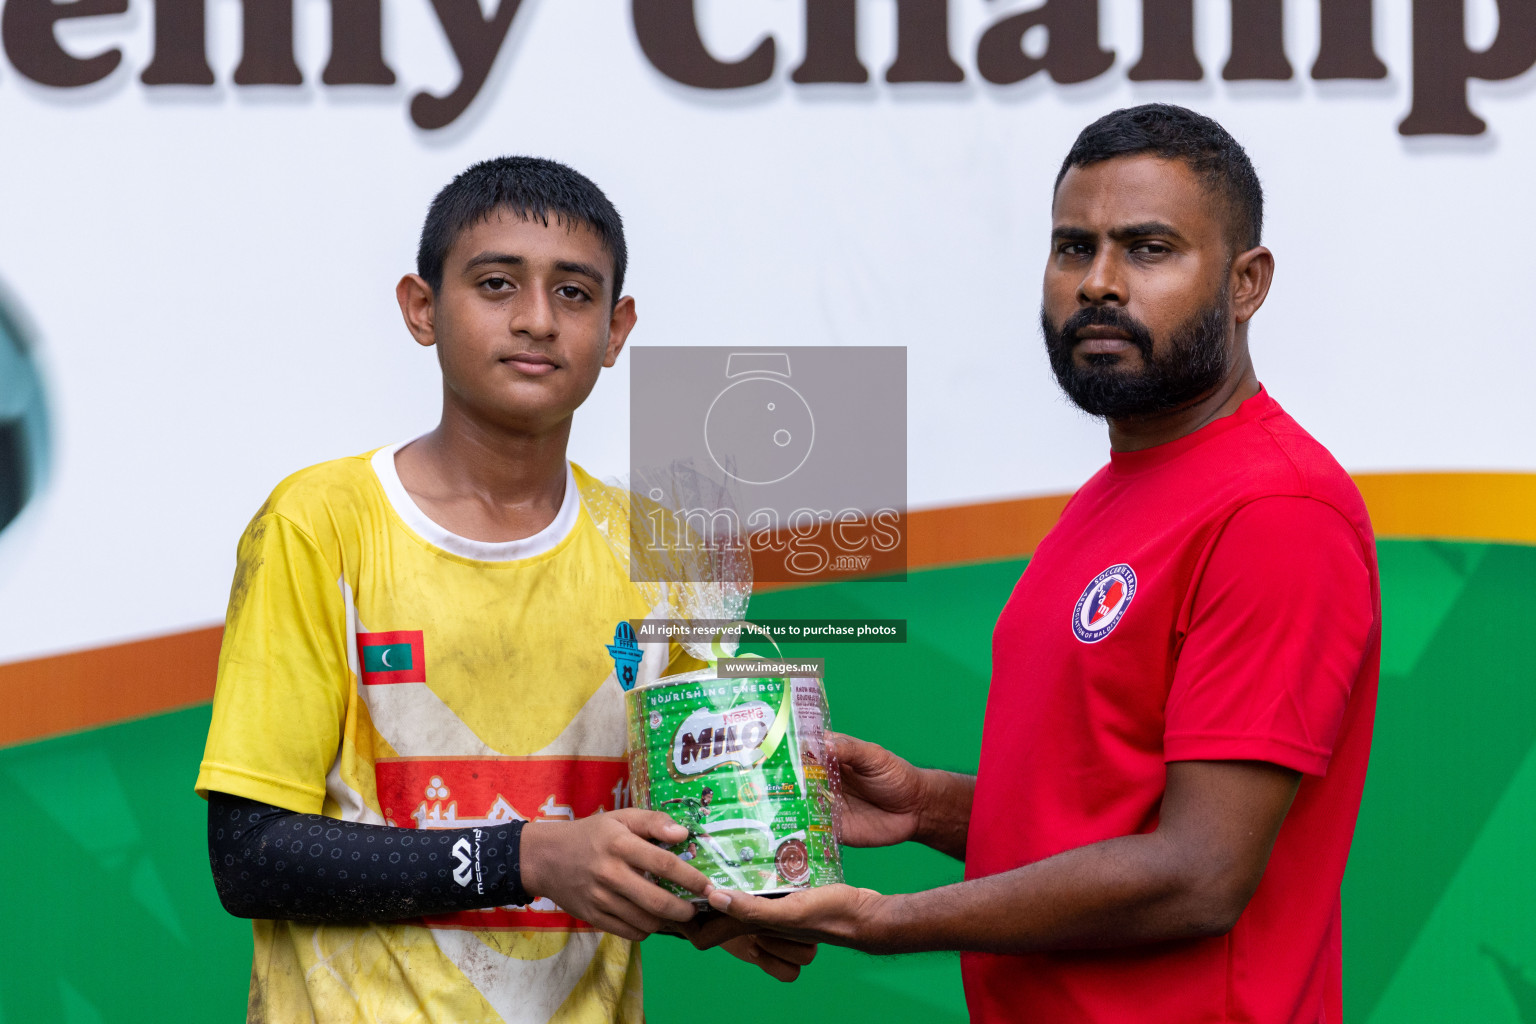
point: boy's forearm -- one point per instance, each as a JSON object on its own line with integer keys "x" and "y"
{"x": 278, "y": 864}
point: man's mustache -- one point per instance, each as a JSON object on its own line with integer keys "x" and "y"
{"x": 1105, "y": 316}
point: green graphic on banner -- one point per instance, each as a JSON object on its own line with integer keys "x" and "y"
{"x": 1467, "y": 962}
{"x": 1438, "y": 901}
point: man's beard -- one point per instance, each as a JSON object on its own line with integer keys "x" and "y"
{"x": 1197, "y": 359}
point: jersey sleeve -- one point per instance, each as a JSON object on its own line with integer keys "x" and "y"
{"x": 1281, "y": 621}
{"x": 280, "y": 702}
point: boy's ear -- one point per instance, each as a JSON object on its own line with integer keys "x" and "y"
{"x": 620, "y": 322}
{"x": 416, "y": 303}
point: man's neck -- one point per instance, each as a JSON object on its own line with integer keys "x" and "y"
{"x": 1134, "y": 433}
{"x": 484, "y": 482}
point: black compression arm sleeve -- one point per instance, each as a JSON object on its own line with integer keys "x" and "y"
{"x": 272, "y": 863}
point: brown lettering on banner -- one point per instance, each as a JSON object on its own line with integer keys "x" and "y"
{"x": 181, "y": 57}
{"x": 26, "y": 30}
{"x": 1258, "y": 42}
{"x": 922, "y": 44}
{"x": 831, "y": 53}
{"x": 1346, "y": 49}
{"x": 267, "y": 54}
{"x": 1072, "y": 51}
{"x": 1167, "y": 43}
{"x": 181, "y": 48}
{"x": 1443, "y": 63}
{"x": 357, "y": 45}
{"x": 668, "y": 33}
{"x": 669, "y": 36}
{"x": 475, "y": 41}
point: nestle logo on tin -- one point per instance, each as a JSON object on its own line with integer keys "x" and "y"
{"x": 708, "y": 739}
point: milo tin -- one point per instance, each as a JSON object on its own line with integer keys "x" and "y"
{"x": 742, "y": 763}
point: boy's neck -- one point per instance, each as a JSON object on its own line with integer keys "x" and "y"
{"x": 486, "y": 484}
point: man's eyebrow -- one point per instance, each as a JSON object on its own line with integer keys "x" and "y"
{"x": 1072, "y": 234}
{"x": 1124, "y": 233}
{"x": 1144, "y": 230}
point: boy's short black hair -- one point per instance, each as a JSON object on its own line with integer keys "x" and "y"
{"x": 532, "y": 188}
{"x": 1177, "y": 133}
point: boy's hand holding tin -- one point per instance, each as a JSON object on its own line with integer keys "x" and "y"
{"x": 595, "y": 868}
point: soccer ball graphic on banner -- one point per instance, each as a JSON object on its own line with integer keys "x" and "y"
{"x": 759, "y": 430}
{"x": 23, "y": 421}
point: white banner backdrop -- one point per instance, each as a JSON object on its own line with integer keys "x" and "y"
{"x": 208, "y": 270}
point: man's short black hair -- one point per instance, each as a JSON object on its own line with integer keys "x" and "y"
{"x": 1177, "y": 133}
{"x": 530, "y": 187}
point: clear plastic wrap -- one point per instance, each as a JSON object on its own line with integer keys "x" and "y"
{"x": 742, "y": 763}
{"x": 686, "y": 564}
{"x": 745, "y": 766}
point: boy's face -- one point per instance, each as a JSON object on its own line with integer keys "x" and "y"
{"x": 524, "y": 320}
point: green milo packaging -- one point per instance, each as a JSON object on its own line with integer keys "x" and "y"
{"x": 743, "y": 764}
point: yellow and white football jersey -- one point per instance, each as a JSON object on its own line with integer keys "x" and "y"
{"x": 378, "y": 668}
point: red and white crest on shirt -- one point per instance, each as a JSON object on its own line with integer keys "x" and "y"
{"x": 486, "y": 792}
{"x": 1103, "y": 603}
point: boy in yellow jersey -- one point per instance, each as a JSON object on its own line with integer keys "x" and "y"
{"x": 414, "y": 667}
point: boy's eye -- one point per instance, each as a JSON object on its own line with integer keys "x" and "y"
{"x": 570, "y": 291}
{"x": 497, "y": 284}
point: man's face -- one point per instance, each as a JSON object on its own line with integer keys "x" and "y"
{"x": 525, "y": 320}
{"x": 1136, "y": 312}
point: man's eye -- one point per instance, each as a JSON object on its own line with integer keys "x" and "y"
{"x": 571, "y": 292}
{"x": 1151, "y": 248}
{"x": 497, "y": 284}
{"x": 1075, "y": 249}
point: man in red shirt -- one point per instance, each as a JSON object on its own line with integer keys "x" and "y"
{"x": 1184, "y": 678}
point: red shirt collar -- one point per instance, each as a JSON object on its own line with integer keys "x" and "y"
{"x": 1252, "y": 409}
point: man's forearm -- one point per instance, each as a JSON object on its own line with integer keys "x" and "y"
{"x": 1124, "y": 891}
{"x": 1190, "y": 878}
{"x": 273, "y": 863}
{"x": 945, "y": 818}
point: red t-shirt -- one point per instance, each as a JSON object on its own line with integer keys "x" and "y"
{"x": 1213, "y": 598}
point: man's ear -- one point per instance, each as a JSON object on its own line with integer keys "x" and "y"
{"x": 620, "y": 322}
{"x": 1252, "y": 272}
{"x": 416, "y": 305}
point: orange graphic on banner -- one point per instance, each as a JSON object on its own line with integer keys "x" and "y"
{"x": 89, "y": 689}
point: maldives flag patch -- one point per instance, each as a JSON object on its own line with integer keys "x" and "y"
{"x": 399, "y": 656}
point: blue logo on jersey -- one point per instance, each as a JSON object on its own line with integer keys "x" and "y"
{"x": 1103, "y": 603}
{"x": 626, "y": 655}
